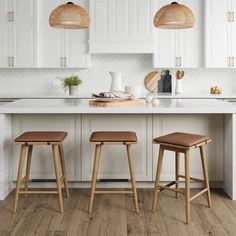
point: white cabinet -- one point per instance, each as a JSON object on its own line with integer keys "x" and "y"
{"x": 18, "y": 33}
{"x": 42, "y": 162}
{"x": 220, "y": 34}
{"x": 114, "y": 162}
{"x": 209, "y": 125}
{"x": 58, "y": 47}
{"x": 121, "y": 26}
{"x": 180, "y": 48}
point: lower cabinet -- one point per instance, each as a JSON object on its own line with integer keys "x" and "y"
{"x": 42, "y": 162}
{"x": 79, "y": 152}
{"x": 209, "y": 125}
{"x": 114, "y": 162}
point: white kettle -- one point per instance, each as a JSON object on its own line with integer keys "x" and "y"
{"x": 118, "y": 81}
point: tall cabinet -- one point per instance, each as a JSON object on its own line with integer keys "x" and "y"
{"x": 180, "y": 48}
{"x": 220, "y": 35}
{"x": 18, "y": 33}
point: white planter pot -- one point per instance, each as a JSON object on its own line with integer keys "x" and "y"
{"x": 179, "y": 86}
{"x": 73, "y": 90}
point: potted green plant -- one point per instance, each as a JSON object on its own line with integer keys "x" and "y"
{"x": 71, "y": 83}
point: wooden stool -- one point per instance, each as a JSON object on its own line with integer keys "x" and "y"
{"x": 27, "y": 140}
{"x": 107, "y": 138}
{"x": 182, "y": 143}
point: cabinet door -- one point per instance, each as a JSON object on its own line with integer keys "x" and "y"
{"x": 165, "y": 44}
{"x": 191, "y": 40}
{"x": 233, "y": 33}
{"x": 217, "y": 30}
{"x": 42, "y": 162}
{"x": 114, "y": 163}
{"x": 209, "y": 125}
{"x": 25, "y": 11}
{"x": 4, "y": 9}
{"x": 5, "y": 45}
{"x": 51, "y": 40}
{"x": 76, "y": 45}
{"x": 24, "y": 47}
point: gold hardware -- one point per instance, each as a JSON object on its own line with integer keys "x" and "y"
{"x": 65, "y": 62}
{"x": 61, "y": 61}
{"x": 229, "y": 62}
{"x": 229, "y": 16}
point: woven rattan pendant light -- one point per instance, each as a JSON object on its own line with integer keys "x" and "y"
{"x": 174, "y": 16}
{"x": 69, "y": 16}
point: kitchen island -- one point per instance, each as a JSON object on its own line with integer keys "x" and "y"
{"x": 211, "y": 117}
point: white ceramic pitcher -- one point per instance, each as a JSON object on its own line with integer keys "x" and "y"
{"x": 118, "y": 81}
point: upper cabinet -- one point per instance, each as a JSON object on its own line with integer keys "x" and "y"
{"x": 121, "y": 26}
{"x": 220, "y": 26}
{"x": 18, "y": 33}
{"x": 60, "y": 48}
{"x": 180, "y": 48}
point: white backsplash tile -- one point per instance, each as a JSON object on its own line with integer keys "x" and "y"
{"x": 97, "y": 78}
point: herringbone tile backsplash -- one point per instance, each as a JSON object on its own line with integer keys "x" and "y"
{"x": 97, "y": 78}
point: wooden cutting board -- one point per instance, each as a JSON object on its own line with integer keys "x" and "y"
{"x": 134, "y": 102}
{"x": 151, "y": 81}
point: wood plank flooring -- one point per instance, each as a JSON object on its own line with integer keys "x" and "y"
{"x": 114, "y": 215}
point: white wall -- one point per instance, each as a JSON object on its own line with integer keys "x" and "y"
{"x": 98, "y": 79}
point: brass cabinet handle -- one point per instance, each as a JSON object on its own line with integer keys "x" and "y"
{"x": 229, "y": 16}
{"x": 65, "y": 62}
{"x": 11, "y": 16}
{"x": 229, "y": 61}
{"x": 61, "y": 61}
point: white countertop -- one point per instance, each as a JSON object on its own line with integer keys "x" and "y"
{"x": 81, "y": 106}
{"x": 85, "y": 95}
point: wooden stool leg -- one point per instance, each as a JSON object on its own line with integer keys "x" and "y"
{"x": 205, "y": 173}
{"x": 94, "y": 175}
{"x": 28, "y": 165}
{"x": 187, "y": 186}
{"x": 132, "y": 175}
{"x": 19, "y": 175}
{"x": 158, "y": 175}
{"x": 63, "y": 167}
{"x": 57, "y": 173}
{"x": 177, "y": 173}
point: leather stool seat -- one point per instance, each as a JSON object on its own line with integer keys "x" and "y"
{"x": 182, "y": 139}
{"x": 113, "y": 136}
{"x": 42, "y": 136}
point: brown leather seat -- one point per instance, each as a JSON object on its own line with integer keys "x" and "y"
{"x": 42, "y": 136}
{"x": 113, "y": 136}
{"x": 182, "y": 139}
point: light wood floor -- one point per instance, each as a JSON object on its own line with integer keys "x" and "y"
{"x": 114, "y": 215}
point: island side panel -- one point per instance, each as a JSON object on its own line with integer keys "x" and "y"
{"x": 230, "y": 155}
{"x": 5, "y": 155}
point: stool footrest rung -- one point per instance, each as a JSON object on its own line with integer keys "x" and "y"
{"x": 192, "y": 178}
{"x": 37, "y": 192}
{"x": 112, "y": 192}
{"x": 171, "y": 189}
{"x": 198, "y": 194}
